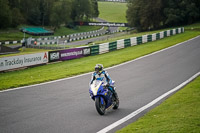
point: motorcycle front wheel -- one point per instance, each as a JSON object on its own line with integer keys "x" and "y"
{"x": 100, "y": 105}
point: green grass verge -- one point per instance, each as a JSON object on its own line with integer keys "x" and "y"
{"x": 178, "y": 114}
{"x": 78, "y": 66}
{"x": 113, "y": 11}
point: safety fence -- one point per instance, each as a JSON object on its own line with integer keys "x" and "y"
{"x": 73, "y": 37}
{"x": 123, "y": 43}
{"x": 53, "y": 39}
{"x": 13, "y": 62}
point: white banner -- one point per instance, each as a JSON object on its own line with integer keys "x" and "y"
{"x": 13, "y": 62}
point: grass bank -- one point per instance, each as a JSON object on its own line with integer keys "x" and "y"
{"x": 78, "y": 66}
{"x": 113, "y": 11}
{"x": 178, "y": 114}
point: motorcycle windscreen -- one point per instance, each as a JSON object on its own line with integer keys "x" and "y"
{"x": 95, "y": 86}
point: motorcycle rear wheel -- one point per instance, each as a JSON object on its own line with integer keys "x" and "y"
{"x": 99, "y": 106}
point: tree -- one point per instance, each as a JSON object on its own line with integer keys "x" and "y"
{"x": 82, "y": 10}
{"x": 46, "y": 12}
{"x": 5, "y": 14}
{"x": 132, "y": 13}
{"x": 34, "y": 16}
{"x": 181, "y": 12}
{"x": 60, "y": 13}
{"x": 145, "y": 15}
{"x": 17, "y": 17}
{"x": 46, "y": 7}
{"x": 154, "y": 14}
{"x": 95, "y": 8}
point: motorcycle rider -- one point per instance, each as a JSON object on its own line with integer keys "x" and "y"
{"x": 100, "y": 73}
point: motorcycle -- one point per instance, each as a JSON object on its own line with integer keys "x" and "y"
{"x": 103, "y": 97}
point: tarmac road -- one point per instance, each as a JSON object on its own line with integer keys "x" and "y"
{"x": 100, "y": 38}
{"x": 65, "y": 107}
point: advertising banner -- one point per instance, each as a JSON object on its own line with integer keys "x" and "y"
{"x": 13, "y": 62}
{"x": 86, "y": 51}
{"x": 54, "y": 56}
{"x": 109, "y": 24}
{"x": 74, "y": 53}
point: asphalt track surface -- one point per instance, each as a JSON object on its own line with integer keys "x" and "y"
{"x": 100, "y": 38}
{"x": 65, "y": 107}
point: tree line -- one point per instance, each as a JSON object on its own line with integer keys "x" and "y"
{"x": 46, "y": 12}
{"x": 155, "y": 14}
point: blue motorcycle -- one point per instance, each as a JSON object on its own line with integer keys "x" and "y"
{"x": 103, "y": 96}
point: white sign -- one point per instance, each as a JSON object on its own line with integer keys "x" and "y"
{"x": 13, "y": 62}
{"x": 107, "y": 24}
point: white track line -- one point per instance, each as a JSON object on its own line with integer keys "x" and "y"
{"x": 105, "y": 69}
{"x": 133, "y": 114}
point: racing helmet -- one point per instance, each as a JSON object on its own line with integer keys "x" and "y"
{"x": 98, "y": 68}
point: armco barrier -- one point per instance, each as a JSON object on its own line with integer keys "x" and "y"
{"x": 161, "y": 34}
{"x": 113, "y": 46}
{"x": 149, "y": 38}
{"x": 133, "y": 41}
{"x": 157, "y": 36}
{"x": 7, "y": 63}
{"x": 120, "y": 44}
{"x": 123, "y": 43}
{"x": 139, "y": 40}
{"x": 103, "y": 48}
{"x": 168, "y": 32}
{"x": 165, "y": 33}
{"x": 171, "y": 32}
{"x": 52, "y": 39}
{"x": 176, "y": 31}
{"x": 94, "y": 49}
{"x": 179, "y": 30}
{"x": 144, "y": 39}
{"x": 154, "y": 37}
{"x": 127, "y": 42}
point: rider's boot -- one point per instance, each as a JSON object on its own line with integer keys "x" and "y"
{"x": 114, "y": 92}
